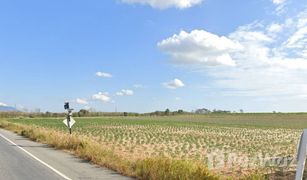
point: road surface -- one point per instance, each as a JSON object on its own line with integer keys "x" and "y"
{"x": 22, "y": 159}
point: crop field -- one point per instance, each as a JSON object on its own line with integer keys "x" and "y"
{"x": 203, "y": 138}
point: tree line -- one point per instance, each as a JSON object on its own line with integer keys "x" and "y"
{"x": 87, "y": 113}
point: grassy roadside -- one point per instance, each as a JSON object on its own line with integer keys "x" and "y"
{"x": 146, "y": 169}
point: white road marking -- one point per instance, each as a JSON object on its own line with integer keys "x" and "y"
{"x": 34, "y": 157}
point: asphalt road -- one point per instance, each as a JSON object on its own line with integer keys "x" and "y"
{"x": 22, "y": 159}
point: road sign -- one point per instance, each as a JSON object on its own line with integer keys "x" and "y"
{"x": 71, "y": 123}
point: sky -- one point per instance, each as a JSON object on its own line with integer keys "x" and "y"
{"x": 147, "y": 55}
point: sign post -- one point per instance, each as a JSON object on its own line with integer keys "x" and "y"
{"x": 301, "y": 156}
{"x": 69, "y": 121}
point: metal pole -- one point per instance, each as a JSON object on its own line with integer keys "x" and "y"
{"x": 301, "y": 156}
{"x": 68, "y": 116}
{"x": 68, "y": 121}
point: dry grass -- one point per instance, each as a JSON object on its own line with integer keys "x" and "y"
{"x": 84, "y": 147}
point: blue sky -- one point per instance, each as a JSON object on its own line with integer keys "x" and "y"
{"x": 146, "y": 55}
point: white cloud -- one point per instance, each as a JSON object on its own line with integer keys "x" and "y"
{"x": 267, "y": 68}
{"x": 82, "y": 101}
{"x": 164, "y": 4}
{"x": 280, "y": 6}
{"x": 272, "y": 64}
{"x": 274, "y": 28}
{"x": 174, "y": 84}
{"x": 278, "y": 2}
{"x": 247, "y": 34}
{"x": 297, "y": 41}
{"x": 3, "y": 104}
{"x": 104, "y": 74}
{"x": 125, "y": 92}
{"x": 200, "y": 47}
{"x": 101, "y": 96}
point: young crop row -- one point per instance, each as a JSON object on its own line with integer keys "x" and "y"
{"x": 137, "y": 139}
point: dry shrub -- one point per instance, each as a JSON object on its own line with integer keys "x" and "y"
{"x": 167, "y": 169}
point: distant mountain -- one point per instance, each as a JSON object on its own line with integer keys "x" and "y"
{"x": 7, "y": 109}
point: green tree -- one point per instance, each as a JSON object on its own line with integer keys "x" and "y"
{"x": 83, "y": 112}
{"x": 167, "y": 112}
{"x": 180, "y": 111}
